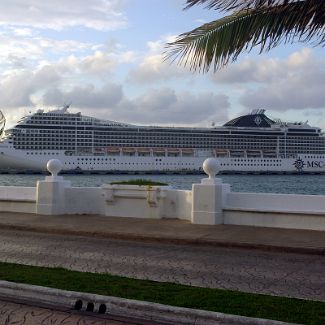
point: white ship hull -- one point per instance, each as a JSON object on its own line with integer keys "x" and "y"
{"x": 12, "y": 160}
{"x": 251, "y": 143}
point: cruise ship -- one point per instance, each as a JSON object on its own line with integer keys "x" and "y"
{"x": 251, "y": 143}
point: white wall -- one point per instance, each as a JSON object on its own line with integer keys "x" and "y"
{"x": 276, "y": 202}
{"x": 178, "y": 204}
{"x": 55, "y": 196}
{"x": 275, "y": 210}
{"x": 84, "y": 200}
{"x": 134, "y": 201}
{"x": 17, "y": 199}
{"x": 275, "y": 219}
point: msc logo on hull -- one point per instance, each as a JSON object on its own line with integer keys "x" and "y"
{"x": 300, "y": 164}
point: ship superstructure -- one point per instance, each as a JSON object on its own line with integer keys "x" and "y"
{"x": 249, "y": 143}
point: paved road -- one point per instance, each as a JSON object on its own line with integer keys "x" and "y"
{"x": 285, "y": 274}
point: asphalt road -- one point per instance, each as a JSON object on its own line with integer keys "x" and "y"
{"x": 275, "y": 273}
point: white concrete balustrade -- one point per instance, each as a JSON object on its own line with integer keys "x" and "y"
{"x": 211, "y": 202}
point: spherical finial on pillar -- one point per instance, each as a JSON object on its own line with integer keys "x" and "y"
{"x": 211, "y": 167}
{"x": 54, "y": 166}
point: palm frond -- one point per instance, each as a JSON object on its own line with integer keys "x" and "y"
{"x": 218, "y": 42}
{"x": 229, "y": 5}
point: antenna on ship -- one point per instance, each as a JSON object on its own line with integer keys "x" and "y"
{"x": 66, "y": 106}
{"x": 2, "y": 123}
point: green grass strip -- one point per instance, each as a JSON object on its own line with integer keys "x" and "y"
{"x": 225, "y": 301}
{"x": 140, "y": 182}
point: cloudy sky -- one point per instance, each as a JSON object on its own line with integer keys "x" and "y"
{"x": 105, "y": 57}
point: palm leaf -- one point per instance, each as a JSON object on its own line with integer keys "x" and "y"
{"x": 222, "y": 40}
{"x": 227, "y": 5}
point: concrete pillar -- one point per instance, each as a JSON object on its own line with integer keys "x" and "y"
{"x": 209, "y": 196}
{"x": 50, "y": 193}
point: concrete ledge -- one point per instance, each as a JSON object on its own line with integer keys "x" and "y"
{"x": 274, "y": 219}
{"x": 316, "y": 213}
{"x": 17, "y": 200}
{"x": 123, "y": 307}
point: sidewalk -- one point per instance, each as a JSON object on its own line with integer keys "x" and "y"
{"x": 170, "y": 231}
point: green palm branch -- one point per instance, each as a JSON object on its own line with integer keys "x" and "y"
{"x": 253, "y": 23}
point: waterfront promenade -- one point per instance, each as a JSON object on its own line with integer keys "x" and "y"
{"x": 281, "y": 262}
{"x": 287, "y": 262}
{"x": 169, "y": 231}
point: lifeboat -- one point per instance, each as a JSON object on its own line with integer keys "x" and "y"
{"x": 269, "y": 154}
{"x": 159, "y": 152}
{"x": 143, "y": 149}
{"x": 187, "y": 150}
{"x": 128, "y": 150}
{"x": 254, "y": 153}
{"x": 113, "y": 149}
{"x": 221, "y": 152}
{"x": 173, "y": 152}
{"x": 237, "y": 153}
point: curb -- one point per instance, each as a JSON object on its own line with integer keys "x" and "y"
{"x": 167, "y": 240}
{"x": 122, "y": 307}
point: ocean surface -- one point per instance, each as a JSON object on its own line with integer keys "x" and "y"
{"x": 299, "y": 184}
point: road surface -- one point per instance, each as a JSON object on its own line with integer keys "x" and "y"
{"x": 275, "y": 273}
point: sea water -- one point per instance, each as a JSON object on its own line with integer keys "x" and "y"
{"x": 296, "y": 184}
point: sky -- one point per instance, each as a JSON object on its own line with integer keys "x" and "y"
{"x": 105, "y": 57}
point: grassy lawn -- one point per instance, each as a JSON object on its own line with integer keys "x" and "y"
{"x": 225, "y": 301}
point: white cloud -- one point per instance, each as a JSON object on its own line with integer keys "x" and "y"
{"x": 22, "y": 52}
{"x": 166, "y": 106}
{"x": 59, "y": 14}
{"x": 154, "y": 69}
{"x": 98, "y": 63}
{"x": 86, "y": 96}
{"x": 16, "y": 89}
{"x": 296, "y": 82}
{"x": 22, "y": 31}
{"x": 153, "y": 66}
